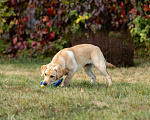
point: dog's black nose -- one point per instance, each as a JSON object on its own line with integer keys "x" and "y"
{"x": 44, "y": 83}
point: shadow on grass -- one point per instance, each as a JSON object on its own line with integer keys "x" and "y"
{"x": 122, "y": 84}
{"x": 86, "y": 84}
{"x": 25, "y": 61}
{"x": 141, "y": 62}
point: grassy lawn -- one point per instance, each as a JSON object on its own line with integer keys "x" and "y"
{"x": 22, "y": 98}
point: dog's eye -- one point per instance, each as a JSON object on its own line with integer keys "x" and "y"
{"x": 51, "y": 76}
{"x": 45, "y": 74}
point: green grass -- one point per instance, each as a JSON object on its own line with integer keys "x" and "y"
{"x": 22, "y": 98}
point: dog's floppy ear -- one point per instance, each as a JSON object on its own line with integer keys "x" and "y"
{"x": 60, "y": 72}
{"x": 43, "y": 68}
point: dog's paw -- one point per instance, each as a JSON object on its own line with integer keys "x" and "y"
{"x": 109, "y": 84}
{"x": 92, "y": 81}
{"x": 62, "y": 85}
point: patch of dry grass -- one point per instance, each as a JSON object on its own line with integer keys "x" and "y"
{"x": 128, "y": 75}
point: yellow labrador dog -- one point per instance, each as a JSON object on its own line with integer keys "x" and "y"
{"x": 69, "y": 60}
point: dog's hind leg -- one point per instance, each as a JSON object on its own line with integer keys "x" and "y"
{"x": 88, "y": 69}
{"x": 102, "y": 68}
{"x": 99, "y": 63}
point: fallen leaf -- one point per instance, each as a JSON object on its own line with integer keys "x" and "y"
{"x": 82, "y": 90}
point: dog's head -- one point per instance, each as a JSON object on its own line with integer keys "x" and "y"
{"x": 51, "y": 74}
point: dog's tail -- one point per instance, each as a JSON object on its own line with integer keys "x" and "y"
{"x": 109, "y": 65}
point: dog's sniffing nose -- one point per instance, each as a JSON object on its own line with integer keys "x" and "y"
{"x": 44, "y": 83}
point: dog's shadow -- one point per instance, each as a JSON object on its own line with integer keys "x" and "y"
{"x": 87, "y": 84}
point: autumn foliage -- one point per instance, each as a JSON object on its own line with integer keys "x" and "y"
{"x": 45, "y": 26}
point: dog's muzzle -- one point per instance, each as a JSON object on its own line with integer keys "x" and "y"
{"x": 45, "y": 84}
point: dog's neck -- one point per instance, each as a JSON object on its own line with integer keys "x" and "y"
{"x": 57, "y": 61}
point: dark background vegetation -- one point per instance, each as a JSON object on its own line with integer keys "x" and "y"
{"x": 40, "y": 28}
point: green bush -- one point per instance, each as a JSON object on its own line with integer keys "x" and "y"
{"x": 5, "y": 13}
{"x": 141, "y": 31}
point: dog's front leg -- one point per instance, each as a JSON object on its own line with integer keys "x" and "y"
{"x": 68, "y": 78}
